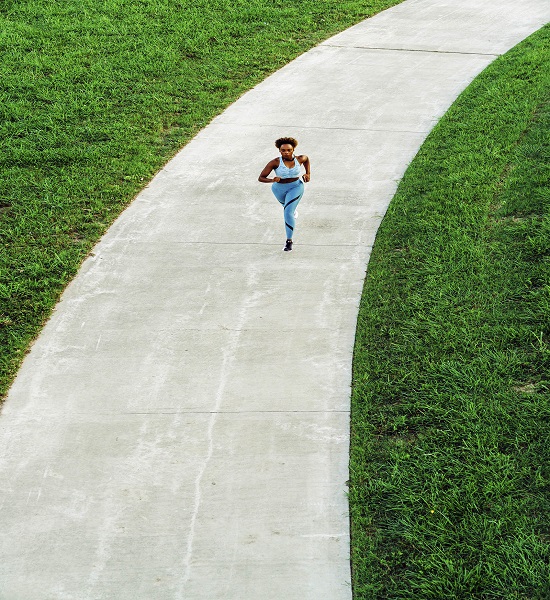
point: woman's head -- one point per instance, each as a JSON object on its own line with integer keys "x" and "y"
{"x": 286, "y": 147}
{"x": 285, "y": 141}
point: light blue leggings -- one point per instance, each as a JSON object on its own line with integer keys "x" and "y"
{"x": 289, "y": 194}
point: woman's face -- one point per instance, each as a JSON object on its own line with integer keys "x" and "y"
{"x": 286, "y": 151}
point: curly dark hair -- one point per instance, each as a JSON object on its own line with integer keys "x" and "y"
{"x": 286, "y": 140}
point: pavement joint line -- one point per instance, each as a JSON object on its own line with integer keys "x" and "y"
{"x": 198, "y": 412}
{"x": 412, "y": 50}
{"x": 244, "y": 329}
{"x": 149, "y": 243}
{"x": 235, "y": 412}
{"x": 306, "y": 127}
{"x": 220, "y": 329}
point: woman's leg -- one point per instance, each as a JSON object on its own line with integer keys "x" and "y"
{"x": 279, "y": 191}
{"x": 291, "y": 200}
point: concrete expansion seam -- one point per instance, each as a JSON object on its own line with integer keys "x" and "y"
{"x": 411, "y": 50}
{"x": 237, "y": 412}
{"x": 313, "y": 128}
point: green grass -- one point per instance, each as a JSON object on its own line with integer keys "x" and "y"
{"x": 95, "y": 97}
{"x": 450, "y": 461}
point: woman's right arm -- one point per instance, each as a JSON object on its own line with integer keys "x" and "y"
{"x": 263, "y": 178}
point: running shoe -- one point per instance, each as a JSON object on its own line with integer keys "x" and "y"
{"x": 288, "y": 246}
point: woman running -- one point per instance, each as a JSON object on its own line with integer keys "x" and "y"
{"x": 287, "y": 186}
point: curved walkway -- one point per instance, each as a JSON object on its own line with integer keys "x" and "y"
{"x": 180, "y": 428}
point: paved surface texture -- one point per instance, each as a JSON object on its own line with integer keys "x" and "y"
{"x": 180, "y": 428}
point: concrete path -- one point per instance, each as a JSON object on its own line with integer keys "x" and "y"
{"x": 180, "y": 429}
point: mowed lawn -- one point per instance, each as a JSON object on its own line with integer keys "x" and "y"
{"x": 95, "y": 97}
{"x": 450, "y": 449}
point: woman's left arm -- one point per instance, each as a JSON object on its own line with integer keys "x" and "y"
{"x": 304, "y": 160}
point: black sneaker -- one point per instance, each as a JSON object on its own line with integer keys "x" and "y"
{"x": 288, "y": 246}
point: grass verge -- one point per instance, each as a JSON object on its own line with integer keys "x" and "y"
{"x": 450, "y": 464}
{"x": 95, "y": 97}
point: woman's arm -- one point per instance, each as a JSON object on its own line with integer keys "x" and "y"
{"x": 304, "y": 160}
{"x": 272, "y": 164}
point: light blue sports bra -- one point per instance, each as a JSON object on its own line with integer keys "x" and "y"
{"x": 284, "y": 172}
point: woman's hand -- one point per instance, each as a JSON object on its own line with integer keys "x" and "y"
{"x": 276, "y": 179}
{"x": 305, "y": 177}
